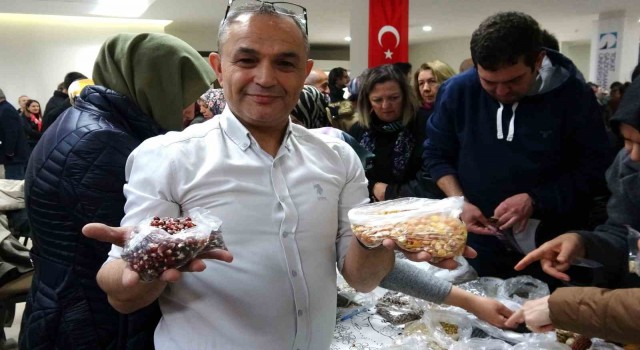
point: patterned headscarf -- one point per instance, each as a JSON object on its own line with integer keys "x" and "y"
{"x": 214, "y": 100}
{"x": 311, "y": 108}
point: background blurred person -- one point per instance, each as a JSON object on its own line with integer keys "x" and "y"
{"x": 338, "y": 80}
{"x": 427, "y": 79}
{"x": 14, "y": 150}
{"x": 22, "y": 100}
{"x": 32, "y": 119}
{"x": 391, "y": 126}
{"x": 319, "y": 79}
{"x": 59, "y": 102}
{"x": 75, "y": 176}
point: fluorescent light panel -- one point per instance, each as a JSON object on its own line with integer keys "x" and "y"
{"x": 121, "y": 8}
{"x": 79, "y": 20}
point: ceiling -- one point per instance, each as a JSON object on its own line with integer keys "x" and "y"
{"x": 329, "y": 20}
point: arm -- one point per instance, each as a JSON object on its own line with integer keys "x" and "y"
{"x": 362, "y": 268}
{"x": 595, "y": 312}
{"x": 413, "y": 281}
{"x": 583, "y": 178}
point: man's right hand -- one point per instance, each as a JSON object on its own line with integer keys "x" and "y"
{"x": 118, "y": 235}
{"x": 556, "y": 255}
{"x": 474, "y": 219}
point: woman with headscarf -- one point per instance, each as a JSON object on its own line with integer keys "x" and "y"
{"x": 75, "y": 176}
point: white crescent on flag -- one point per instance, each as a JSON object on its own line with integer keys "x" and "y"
{"x": 389, "y": 29}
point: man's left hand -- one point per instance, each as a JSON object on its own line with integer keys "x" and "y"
{"x": 423, "y": 256}
{"x": 515, "y": 212}
{"x": 379, "y": 189}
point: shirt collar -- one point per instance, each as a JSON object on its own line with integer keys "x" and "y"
{"x": 239, "y": 134}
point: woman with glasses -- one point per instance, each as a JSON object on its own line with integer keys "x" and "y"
{"x": 427, "y": 79}
{"x": 391, "y": 126}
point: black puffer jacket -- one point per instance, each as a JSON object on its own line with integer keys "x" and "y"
{"x": 75, "y": 176}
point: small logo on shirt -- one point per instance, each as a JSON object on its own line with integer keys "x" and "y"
{"x": 319, "y": 191}
{"x": 546, "y": 133}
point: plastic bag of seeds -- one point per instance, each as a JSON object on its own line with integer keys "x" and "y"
{"x": 161, "y": 243}
{"x": 415, "y": 224}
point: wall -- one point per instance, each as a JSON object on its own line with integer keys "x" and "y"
{"x": 451, "y": 51}
{"x": 36, "y": 54}
{"x": 579, "y": 53}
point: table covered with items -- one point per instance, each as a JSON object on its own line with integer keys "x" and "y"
{"x": 386, "y": 319}
{"x": 389, "y": 320}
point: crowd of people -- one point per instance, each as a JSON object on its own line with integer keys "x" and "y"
{"x": 266, "y": 147}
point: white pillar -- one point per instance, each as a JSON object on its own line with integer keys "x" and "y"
{"x": 614, "y": 48}
{"x": 359, "y": 47}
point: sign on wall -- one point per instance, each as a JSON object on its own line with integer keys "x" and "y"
{"x": 607, "y": 59}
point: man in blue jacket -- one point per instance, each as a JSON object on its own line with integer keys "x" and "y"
{"x": 521, "y": 137}
{"x": 14, "y": 151}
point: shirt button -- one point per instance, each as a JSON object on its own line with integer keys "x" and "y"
{"x": 285, "y": 234}
{"x": 299, "y": 313}
{"x": 294, "y": 273}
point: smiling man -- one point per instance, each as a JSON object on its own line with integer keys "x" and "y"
{"x": 521, "y": 137}
{"x": 282, "y": 193}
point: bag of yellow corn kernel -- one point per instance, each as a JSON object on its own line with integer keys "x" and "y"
{"x": 415, "y": 224}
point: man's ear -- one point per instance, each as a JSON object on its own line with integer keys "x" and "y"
{"x": 309, "y": 67}
{"x": 215, "y": 60}
{"x": 539, "y": 59}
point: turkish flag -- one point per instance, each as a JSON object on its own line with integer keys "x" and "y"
{"x": 388, "y": 31}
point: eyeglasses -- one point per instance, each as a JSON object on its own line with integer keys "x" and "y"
{"x": 281, "y": 7}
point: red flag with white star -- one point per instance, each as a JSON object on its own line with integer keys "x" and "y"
{"x": 388, "y": 31}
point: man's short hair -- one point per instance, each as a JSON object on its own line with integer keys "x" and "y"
{"x": 335, "y": 74}
{"x": 502, "y": 39}
{"x": 404, "y": 67}
{"x": 71, "y": 77}
{"x": 550, "y": 41}
{"x": 2, "y": 95}
{"x": 259, "y": 9}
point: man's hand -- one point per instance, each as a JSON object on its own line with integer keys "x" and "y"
{"x": 514, "y": 212}
{"x": 535, "y": 314}
{"x": 118, "y": 236}
{"x": 490, "y": 310}
{"x": 448, "y": 264}
{"x": 379, "y": 189}
{"x": 475, "y": 221}
{"x": 556, "y": 255}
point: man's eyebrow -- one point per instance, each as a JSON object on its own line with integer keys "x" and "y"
{"x": 246, "y": 50}
{"x": 508, "y": 81}
{"x": 289, "y": 54}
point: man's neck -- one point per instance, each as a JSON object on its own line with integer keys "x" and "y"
{"x": 269, "y": 138}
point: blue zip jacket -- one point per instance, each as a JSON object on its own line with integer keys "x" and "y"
{"x": 551, "y": 144}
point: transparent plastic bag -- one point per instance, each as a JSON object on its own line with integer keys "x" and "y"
{"x": 481, "y": 344}
{"x": 634, "y": 258}
{"x": 446, "y": 328}
{"x": 157, "y": 244}
{"x": 397, "y": 308}
{"x": 415, "y": 224}
{"x": 483, "y": 286}
{"x": 523, "y": 288}
{"x": 461, "y": 274}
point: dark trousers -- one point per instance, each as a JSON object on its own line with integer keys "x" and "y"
{"x": 14, "y": 171}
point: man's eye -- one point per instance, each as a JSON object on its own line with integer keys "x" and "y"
{"x": 287, "y": 64}
{"x": 245, "y": 61}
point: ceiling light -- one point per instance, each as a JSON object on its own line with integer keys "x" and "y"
{"x": 427, "y": 28}
{"x": 121, "y": 8}
{"x": 347, "y": 38}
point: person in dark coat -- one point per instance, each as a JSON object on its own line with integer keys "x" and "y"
{"x": 75, "y": 176}
{"x": 392, "y": 127}
{"x": 59, "y": 102}
{"x": 597, "y": 312}
{"x": 14, "y": 150}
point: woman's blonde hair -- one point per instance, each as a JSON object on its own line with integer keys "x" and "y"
{"x": 380, "y": 75}
{"x": 441, "y": 71}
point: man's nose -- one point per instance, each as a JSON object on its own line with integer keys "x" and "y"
{"x": 265, "y": 75}
{"x": 502, "y": 89}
